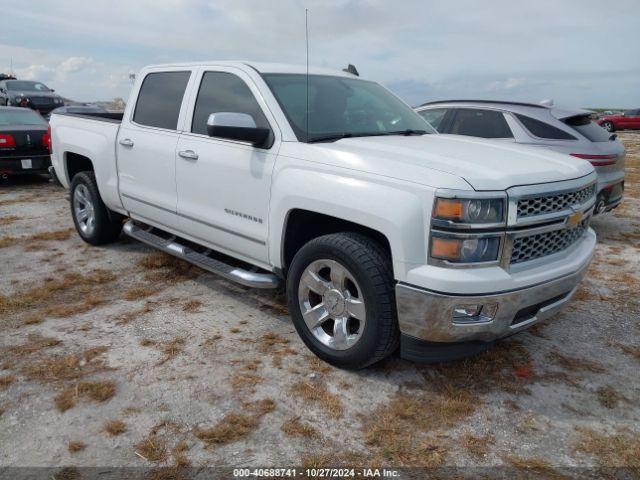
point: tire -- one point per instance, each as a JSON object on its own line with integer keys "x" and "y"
{"x": 363, "y": 274}
{"x": 609, "y": 126}
{"x": 100, "y": 226}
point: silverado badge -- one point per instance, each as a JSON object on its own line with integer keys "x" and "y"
{"x": 574, "y": 219}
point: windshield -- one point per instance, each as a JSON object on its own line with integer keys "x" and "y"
{"x": 20, "y": 116}
{"x": 342, "y": 107}
{"x": 24, "y": 86}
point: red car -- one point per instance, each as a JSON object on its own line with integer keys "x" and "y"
{"x": 626, "y": 120}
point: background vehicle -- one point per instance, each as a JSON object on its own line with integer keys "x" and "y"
{"x": 25, "y": 93}
{"x": 79, "y": 109}
{"x": 622, "y": 121}
{"x": 25, "y": 142}
{"x": 384, "y": 234}
{"x": 565, "y": 131}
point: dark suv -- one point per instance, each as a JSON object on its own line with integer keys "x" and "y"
{"x": 26, "y": 93}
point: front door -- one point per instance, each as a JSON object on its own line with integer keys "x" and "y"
{"x": 223, "y": 185}
{"x": 146, "y": 149}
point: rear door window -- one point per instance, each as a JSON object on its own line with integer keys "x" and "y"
{"x": 543, "y": 130}
{"x": 585, "y": 127}
{"x": 480, "y": 123}
{"x": 434, "y": 116}
{"x": 160, "y": 99}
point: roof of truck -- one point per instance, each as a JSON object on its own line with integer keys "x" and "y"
{"x": 261, "y": 67}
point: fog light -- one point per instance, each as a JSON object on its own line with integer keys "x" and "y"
{"x": 466, "y": 311}
{"x": 474, "y": 313}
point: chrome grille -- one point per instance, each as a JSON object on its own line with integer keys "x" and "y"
{"x": 530, "y": 207}
{"x": 543, "y": 244}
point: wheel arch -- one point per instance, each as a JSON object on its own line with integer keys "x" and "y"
{"x": 75, "y": 163}
{"x": 301, "y": 225}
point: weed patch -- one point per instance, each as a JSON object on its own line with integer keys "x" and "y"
{"x": 235, "y": 426}
{"x": 115, "y": 427}
{"x": 317, "y": 393}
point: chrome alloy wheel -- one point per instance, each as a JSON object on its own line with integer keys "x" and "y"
{"x": 84, "y": 210}
{"x": 332, "y": 304}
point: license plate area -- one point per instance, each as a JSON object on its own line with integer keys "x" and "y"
{"x": 27, "y": 163}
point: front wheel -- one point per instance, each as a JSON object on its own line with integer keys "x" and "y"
{"x": 341, "y": 297}
{"x": 608, "y": 126}
{"x": 93, "y": 221}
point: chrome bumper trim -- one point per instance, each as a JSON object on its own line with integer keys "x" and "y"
{"x": 428, "y": 315}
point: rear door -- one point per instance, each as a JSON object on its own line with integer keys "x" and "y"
{"x": 224, "y": 185}
{"x": 146, "y": 147}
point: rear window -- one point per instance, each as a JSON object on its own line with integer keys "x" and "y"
{"x": 20, "y": 117}
{"x": 434, "y": 116}
{"x": 588, "y": 129}
{"x": 160, "y": 99}
{"x": 544, "y": 130}
{"x": 480, "y": 123}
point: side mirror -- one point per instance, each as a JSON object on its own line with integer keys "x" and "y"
{"x": 237, "y": 126}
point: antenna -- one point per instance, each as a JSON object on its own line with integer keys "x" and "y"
{"x": 306, "y": 34}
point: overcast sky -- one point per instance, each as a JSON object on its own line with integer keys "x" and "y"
{"x": 578, "y": 52}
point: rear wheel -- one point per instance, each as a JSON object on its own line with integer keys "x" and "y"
{"x": 608, "y": 126}
{"x": 341, "y": 297}
{"x": 94, "y": 222}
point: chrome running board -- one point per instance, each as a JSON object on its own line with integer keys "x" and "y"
{"x": 203, "y": 260}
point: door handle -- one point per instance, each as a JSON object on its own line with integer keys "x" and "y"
{"x": 188, "y": 154}
{"x": 126, "y": 142}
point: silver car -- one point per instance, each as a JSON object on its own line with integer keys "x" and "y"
{"x": 566, "y": 131}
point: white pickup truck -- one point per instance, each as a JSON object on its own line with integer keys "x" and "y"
{"x": 385, "y": 233}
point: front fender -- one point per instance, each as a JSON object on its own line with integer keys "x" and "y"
{"x": 393, "y": 208}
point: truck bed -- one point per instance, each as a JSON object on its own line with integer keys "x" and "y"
{"x": 92, "y": 137}
{"x": 113, "y": 117}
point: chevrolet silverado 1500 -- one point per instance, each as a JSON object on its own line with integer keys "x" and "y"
{"x": 384, "y": 232}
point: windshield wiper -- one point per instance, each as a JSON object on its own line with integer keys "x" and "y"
{"x": 407, "y": 132}
{"x": 340, "y": 136}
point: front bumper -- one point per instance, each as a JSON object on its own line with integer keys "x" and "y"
{"x": 427, "y": 316}
{"x": 609, "y": 197}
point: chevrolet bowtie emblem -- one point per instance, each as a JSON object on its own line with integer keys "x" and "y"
{"x": 574, "y": 219}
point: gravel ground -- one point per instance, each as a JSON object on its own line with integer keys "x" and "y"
{"x": 120, "y": 356}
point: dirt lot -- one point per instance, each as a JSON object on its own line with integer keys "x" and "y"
{"x": 120, "y": 356}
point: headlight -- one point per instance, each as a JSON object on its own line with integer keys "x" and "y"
{"x": 17, "y": 100}
{"x": 471, "y": 249}
{"x": 469, "y": 211}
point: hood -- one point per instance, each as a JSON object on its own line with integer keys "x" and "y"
{"x": 484, "y": 164}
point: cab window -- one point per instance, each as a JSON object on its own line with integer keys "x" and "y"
{"x": 160, "y": 99}
{"x": 224, "y": 92}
